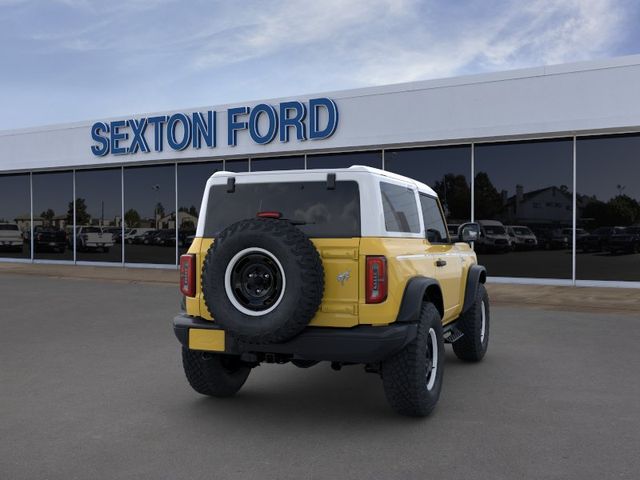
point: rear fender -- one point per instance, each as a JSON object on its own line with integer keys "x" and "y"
{"x": 418, "y": 290}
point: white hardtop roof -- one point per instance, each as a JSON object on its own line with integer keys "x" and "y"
{"x": 358, "y": 169}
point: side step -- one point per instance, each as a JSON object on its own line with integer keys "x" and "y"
{"x": 452, "y": 335}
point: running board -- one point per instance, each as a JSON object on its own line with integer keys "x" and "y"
{"x": 452, "y": 335}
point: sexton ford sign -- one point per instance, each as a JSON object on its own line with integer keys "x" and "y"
{"x": 314, "y": 120}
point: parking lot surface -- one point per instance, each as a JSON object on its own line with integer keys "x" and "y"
{"x": 91, "y": 387}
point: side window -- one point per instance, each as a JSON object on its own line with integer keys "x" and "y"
{"x": 434, "y": 226}
{"x": 400, "y": 209}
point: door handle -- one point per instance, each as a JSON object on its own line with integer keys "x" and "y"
{"x": 441, "y": 263}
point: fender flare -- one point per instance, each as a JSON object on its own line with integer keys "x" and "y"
{"x": 416, "y": 290}
{"x": 477, "y": 274}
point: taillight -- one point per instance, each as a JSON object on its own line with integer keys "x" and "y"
{"x": 275, "y": 215}
{"x": 376, "y": 291}
{"x": 188, "y": 275}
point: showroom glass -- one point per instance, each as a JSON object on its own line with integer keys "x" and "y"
{"x": 608, "y": 203}
{"x": 236, "y": 165}
{"x": 525, "y": 184}
{"x": 400, "y": 209}
{"x": 53, "y": 216}
{"x": 434, "y": 226}
{"x": 98, "y": 232}
{"x": 192, "y": 178}
{"x": 277, "y": 163}
{"x": 445, "y": 169}
{"x": 15, "y": 216}
{"x": 149, "y": 214}
{"x": 345, "y": 160}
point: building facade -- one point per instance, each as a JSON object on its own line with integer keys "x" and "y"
{"x": 552, "y": 150}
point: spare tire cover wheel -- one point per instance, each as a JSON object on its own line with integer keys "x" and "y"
{"x": 262, "y": 280}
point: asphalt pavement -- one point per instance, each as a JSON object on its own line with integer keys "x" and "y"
{"x": 91, "y": 387}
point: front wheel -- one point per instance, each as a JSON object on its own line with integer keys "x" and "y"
{"x": 214, "y": 375}
{"x": 412, "y": 378}
{"x": 474, "y": 324}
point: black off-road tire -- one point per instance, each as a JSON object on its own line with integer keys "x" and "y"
{"x": 302, "y": 268}
{"x": 404, "y": 375}
{"x": 213, "y": 374}
{"x": 472, "y": 346}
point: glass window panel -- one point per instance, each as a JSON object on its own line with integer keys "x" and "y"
{"x": 149, "y": 206}
{"x": 98, "y": 215}
{"x": 314, "y": 209}
{"x": 53, "y": 215}
{"x": 277, "y": 163}
{"x": 445, "y": 169}
{"x": 15, "y": 216}
{"x": 345, "y": 160}
{"x": 608, "y": 208}
{"x": 400, "y": 209}
{"x": 236, "y": 165}
{"x": 434, "y": 226}
{"x": 523, "y": 202}
{"x": 192, "y": 178}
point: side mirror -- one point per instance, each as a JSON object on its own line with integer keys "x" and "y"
{"x": 468, "y": 232}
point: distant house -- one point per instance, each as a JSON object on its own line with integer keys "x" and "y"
{"x": 544, "y": 206}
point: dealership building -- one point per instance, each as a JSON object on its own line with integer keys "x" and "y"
{"x": 546, "y": 158}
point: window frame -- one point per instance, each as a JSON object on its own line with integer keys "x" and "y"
{"x": 398, "y": 233}
{"x": 442, "y": 217}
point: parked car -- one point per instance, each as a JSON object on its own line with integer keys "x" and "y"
{"x": 185, "y": 237}
{"x": 626, "y": 241}
{"x": 493, "y": 237}
{"x": 93, "y": 238}
{"x": 522, "y": 237}
{"x": 598, "y": 240}
{"x": 10, "y": 237}
{"x": 165, "y": 238}
{"x": 145, "y": 238}
{"x": 49, "y": 238}
{"x": 134, "y": 235}
{"x": 553, "y": 239}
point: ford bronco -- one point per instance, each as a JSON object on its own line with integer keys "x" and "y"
{"x": 350, "y": 266}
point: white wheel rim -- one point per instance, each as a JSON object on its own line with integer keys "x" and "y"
{"x": 229, "y": 290}
{"x": 483, "y": 325}
{"x": 432, "y": 373}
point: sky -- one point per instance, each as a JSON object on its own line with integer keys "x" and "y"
{"x": 73, "y": 60}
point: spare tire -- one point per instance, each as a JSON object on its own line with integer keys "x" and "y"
{"x": 262, "y": 280}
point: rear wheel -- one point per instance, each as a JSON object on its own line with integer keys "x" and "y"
{"x": 214, "y": 374}
{"x": 474, "y": 324}
{"x": 412, "y": 378}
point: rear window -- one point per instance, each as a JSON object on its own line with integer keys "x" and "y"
{"x": 315, "y": 209}
{"x": 8, "y": 227}
{"x": 400, "y": 208}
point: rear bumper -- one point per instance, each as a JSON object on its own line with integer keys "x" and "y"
{"x": 361, "y": 344}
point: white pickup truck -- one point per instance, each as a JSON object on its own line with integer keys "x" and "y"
{"x": 93, "y": 238}
{"x": 10, "y": 237}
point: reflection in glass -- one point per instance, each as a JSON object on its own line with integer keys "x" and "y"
{"x": 524, "y": 206}
{"x": 345, "y": 160}
{"x": 15, "y": 216}
{"x": 53, "y": 215}
{"x": 236, "y": 165}
{"x": 98, "y": 215}
{"x": 192, "y": 178}
{"x": 445, "y": 169}
{"x": 150, "y": 220}
{"x": 277, "y": 163}
{"x": 608, "y": 208}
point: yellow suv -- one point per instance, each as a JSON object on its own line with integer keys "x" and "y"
{"x": 350, "y": 266}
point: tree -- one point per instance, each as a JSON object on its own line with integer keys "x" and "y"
{"x": 624, "y": 210}
{"x": 132, "y": 218}
{"x": 488, "y": 201}
{"x": 455, "y": 195}
{"x": 159, "y": 210}
{"x": 82, "y": 216}
{"x": 47, "y": 216}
